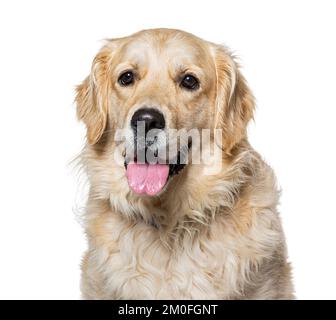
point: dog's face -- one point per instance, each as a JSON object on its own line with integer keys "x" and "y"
{"x": 155, "y": 81}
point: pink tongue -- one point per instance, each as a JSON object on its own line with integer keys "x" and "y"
{"x": 147, "y": 178}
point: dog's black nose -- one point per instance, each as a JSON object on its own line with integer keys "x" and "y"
{"x": 152, "y": 118}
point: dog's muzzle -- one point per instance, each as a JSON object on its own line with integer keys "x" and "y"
{"x": 146, "y": 171}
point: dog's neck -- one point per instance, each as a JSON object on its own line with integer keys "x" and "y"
{"x": 190, "y": 202}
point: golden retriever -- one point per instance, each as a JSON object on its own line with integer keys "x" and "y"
{"x": 173, "y": 229}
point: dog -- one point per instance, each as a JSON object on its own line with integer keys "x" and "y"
{"x": 176, "y": 229}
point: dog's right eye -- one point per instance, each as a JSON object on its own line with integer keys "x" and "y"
{"x": 126, "y": 78}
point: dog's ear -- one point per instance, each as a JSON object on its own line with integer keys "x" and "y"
{"x": 92, "y": 96}
{"x": 235, "y": 103}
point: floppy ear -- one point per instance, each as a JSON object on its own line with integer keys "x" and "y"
{"x": 235, "y": 103}
{"x": 92, "y": 97}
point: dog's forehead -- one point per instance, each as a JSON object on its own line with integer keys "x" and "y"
{"x": 162, "y": 50}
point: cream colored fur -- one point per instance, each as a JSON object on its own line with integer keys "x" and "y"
{"x": 205, "y": 236}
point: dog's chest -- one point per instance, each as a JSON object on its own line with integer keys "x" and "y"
{"x": 135, "y": 263}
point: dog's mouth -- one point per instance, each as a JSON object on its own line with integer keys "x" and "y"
{"x": 151, "y": 178}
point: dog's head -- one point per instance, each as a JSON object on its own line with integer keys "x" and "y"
{"x": 150, "y": 83}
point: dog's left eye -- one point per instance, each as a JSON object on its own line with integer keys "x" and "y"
{"x": 189, "y": 82}
{"x": 126, "y": 78}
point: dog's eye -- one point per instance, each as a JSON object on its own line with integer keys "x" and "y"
{"x": 126, "y": 78}
{"x": 189, "y": 82}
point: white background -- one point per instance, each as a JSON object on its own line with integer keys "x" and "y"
{"x": 288, "y": 53}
